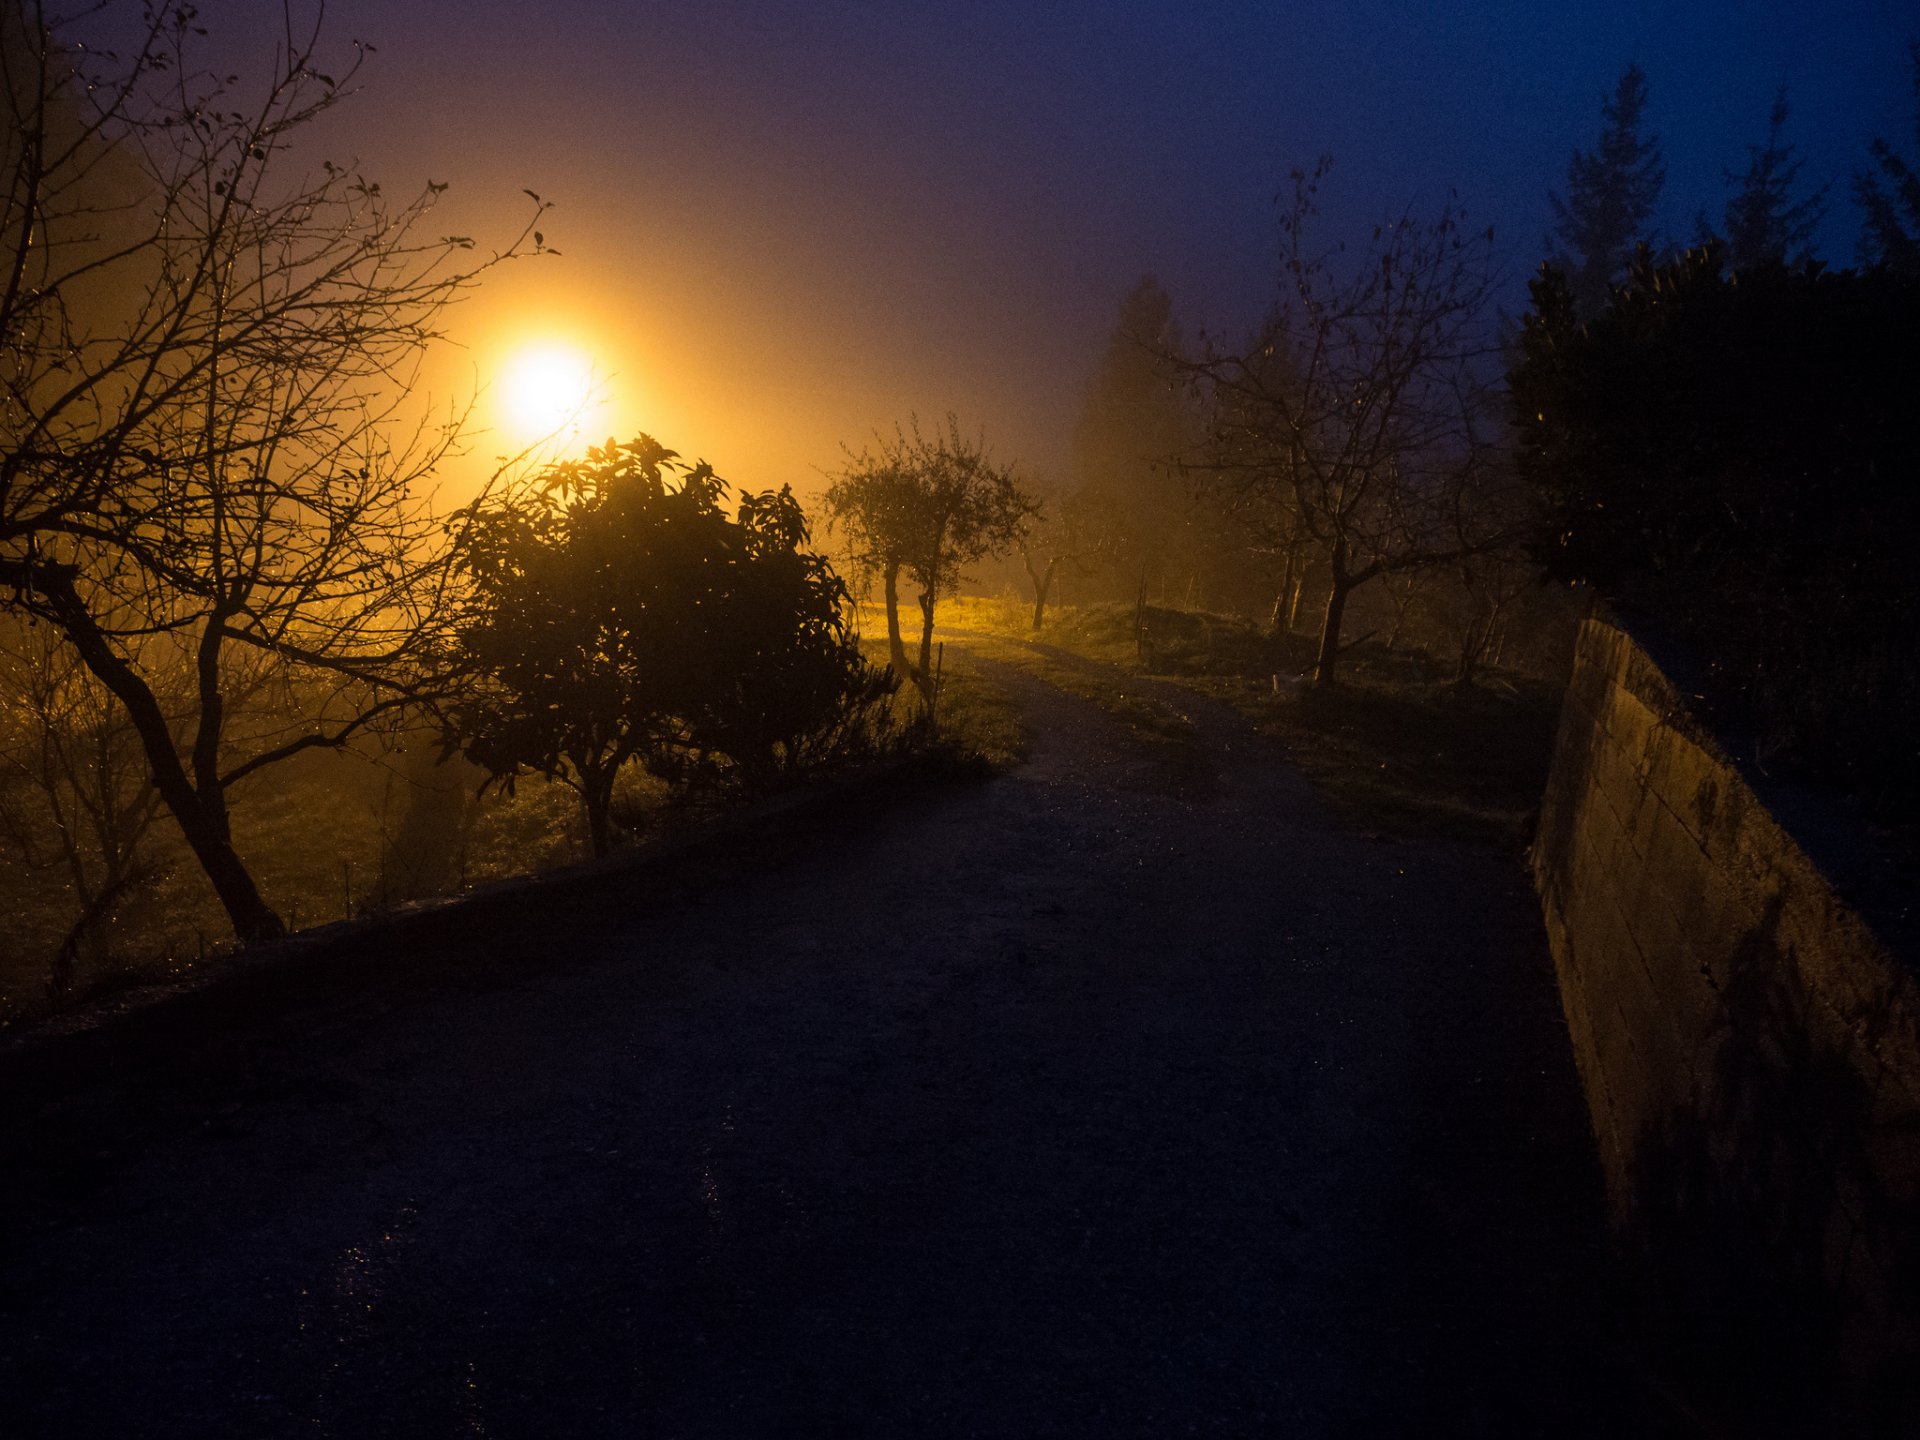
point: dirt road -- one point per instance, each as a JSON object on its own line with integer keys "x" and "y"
{"x": 1126, "y": 1094}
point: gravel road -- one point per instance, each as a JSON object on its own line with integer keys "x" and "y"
{"x": 1130, "y": 1093}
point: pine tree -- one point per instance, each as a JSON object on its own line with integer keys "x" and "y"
{"x": 1763, "y": 221}
{"x": 1611, "y": 193}
{"x": 1131, "y": 430}
{"x": 1890, "y": 201}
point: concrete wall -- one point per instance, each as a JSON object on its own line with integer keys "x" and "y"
{"x": 1751, "y": 1057}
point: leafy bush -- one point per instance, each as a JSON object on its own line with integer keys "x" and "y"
{"x": 619, "y": 612}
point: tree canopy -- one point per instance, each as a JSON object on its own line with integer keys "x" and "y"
{"x": 1130, "y": 435}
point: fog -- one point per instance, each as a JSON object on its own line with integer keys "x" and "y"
{"x": 784, "y": 226}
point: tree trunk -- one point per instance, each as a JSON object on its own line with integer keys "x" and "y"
{"x": 896, "y": 648}
{"x": 1341, "y": 587}
{"x": 596, "y": 794}
{"x": 1042, "y": 583}
{"x": 1288, "y": 598}
{"x": 1140, "y": 622}
{"x": 923, "y": 677}
{"x": 1402, "y": 602}
{"x": 205, "y": 829}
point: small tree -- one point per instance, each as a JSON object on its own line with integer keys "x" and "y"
{"x": 1079, "y": 533}
{"x": 1611, "y": 193}
{"x": 926, "y": 507}
{"x": 619, "y": 613}
{"x": 203, "y": 465}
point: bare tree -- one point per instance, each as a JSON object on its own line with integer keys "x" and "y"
{"x": 75, "y": 796}
{"x": 1079, "y": 533}
{"x": 1357, "y": 414}
{"x": 204, "y": 455}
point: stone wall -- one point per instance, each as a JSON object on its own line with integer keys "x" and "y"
{"x": 1751, "y": 1056}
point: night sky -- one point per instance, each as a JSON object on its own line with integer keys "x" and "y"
{"x": 785, "y": 224}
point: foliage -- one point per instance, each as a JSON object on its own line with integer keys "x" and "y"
{"x": 618, "y": 613}
{"x": 1611, "y": 193}
{"x": 1763, "y": 221}
{"x": 1736, "y": 457}
{"x": 926, "y": 507}
{"x": 1890, "y": 201}
{"x": 1357, "y": 415}
{"x": 205, "y": 477}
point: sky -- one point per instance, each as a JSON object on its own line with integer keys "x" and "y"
{"x": 784, "y": 226}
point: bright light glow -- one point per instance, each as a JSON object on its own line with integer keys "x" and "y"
{"x": 547, "y": 389}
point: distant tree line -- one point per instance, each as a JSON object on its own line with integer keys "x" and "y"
{"x": 1359, "y": 439}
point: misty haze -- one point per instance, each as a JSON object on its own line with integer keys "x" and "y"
{"x": 1116, "y": 720}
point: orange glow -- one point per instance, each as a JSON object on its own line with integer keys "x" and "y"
{"x": 548, "y": 388}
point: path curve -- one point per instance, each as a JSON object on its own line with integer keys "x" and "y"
{"x": 1126, "y": 1094}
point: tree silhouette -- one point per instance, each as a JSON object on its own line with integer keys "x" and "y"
{"x": 1763, "y": 221}
{"x": 1610, "y": 197}
{"x": 1130, "y": 433}
{"x": 1890, "y": 201}
{"x": 203, "y": 462}
{"x": 1692, "y": 464}
{"x": 1076, "y": 531}
{"x": 924, "y": 507}
{"x": 619, "y": 613}
{"x": 1356, "y": 413}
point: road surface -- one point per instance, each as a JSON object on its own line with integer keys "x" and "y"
{"x": 1130, "y": 1093}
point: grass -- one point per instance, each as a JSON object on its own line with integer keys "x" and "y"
{"x": 1395, "y": 744}
{"x": 997, "y": 632}
{"x": 977, "y": 718}
{"x": 978, "y": 723}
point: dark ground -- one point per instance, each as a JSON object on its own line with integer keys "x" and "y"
{"x": 1128, "y": 1094}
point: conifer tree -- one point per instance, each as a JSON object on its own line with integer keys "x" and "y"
{"x": 1611, "y": 193}
{"x": 1890, "y": 201}
{"x": 1130, "y": 433}
{"x": 1763, "y": 221}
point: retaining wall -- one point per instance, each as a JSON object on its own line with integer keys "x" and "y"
{"x": 1751, "y": 1056}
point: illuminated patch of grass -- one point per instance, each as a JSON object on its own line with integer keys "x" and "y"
{"x": 977, "y": 723}
{"x": 1153, "y": 717}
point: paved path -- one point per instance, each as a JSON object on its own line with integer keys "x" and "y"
{"x": 1128, "y": 1094}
